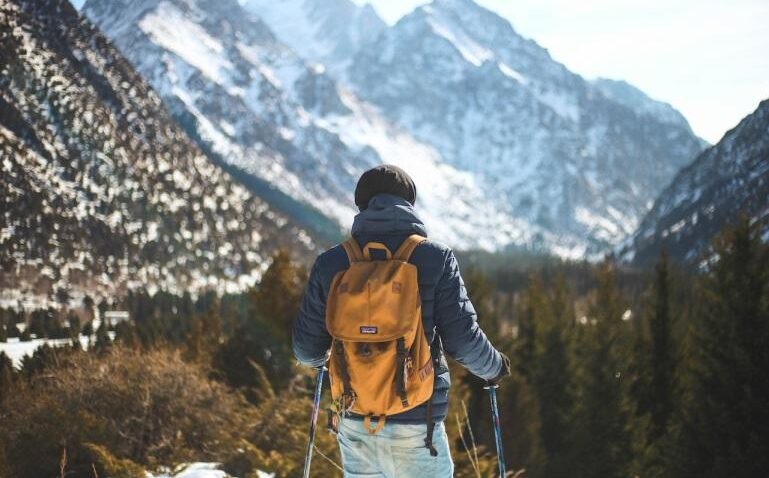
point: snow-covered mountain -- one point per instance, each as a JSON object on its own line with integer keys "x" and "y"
{"x": 329, "y": 32}
{"x": 580, "y": 160}
{"x": 725, "y": 181}
{"x": 560, "y": 152}
{"x": 101, "y": 190}
{"x": 255, "y": 105}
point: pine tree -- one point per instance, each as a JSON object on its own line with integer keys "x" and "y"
{"x": 534, "y": 311}
{"x": 26, "y": 335}
{"x": 519, "y": 409}
{"x": 125, "y": 333}
{"x": 38, "y": 323}
{"x": 481, "y": 293}
{"x": 62, "y": 297}
{"x": 652, "y": 376}
{"x": 725, "y": 426}
{"x": 88, "y": 329}
{"x": 88, "y": 305}
{"x": 553, "y": 380}
{"x": 249, "y": 355}
{"x": 195, "y": 341}
{"x": 103, "y": 341}
{"x": 205, "y": 334}
{"x": 103, "y": 307}
{"x": 276, "y": 298}
{"x": 602, "y": 444}
{"x": 11, "y": 327}
{"x": 211, "y": 322}
{"x": 7, "y": 375}
{"x": 520, "y": 423}
{"x": 74, "y": 325}
{"x": 662, "y": 361}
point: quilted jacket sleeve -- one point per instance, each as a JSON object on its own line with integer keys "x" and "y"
{"x": 455, "y": 319}
{"x": 311, "y": 340}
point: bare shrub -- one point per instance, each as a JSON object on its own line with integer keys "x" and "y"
{"x": 150, "y": 409}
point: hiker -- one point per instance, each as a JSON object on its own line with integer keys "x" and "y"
{"x": 358, "y": 311}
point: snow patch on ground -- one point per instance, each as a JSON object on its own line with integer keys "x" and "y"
{"x": 16, "y": 350}
{"x": 202, "y": 470}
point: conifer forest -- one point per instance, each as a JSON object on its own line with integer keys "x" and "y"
{"x": 618, "y": 372}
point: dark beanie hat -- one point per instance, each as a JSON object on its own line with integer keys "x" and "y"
{"x": 384, "y": 179}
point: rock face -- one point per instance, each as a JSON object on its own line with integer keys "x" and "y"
{"x": 725, "y": 181}
{"x": 275, "y": 119}
{"x": 582, "y": 160}
{"x": 101, "y": 189}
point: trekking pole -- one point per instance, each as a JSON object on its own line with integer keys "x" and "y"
{"x": 315, "y": 408}
{"x": 492, "y": 388}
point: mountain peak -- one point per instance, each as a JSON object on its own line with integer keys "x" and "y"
{"x": 478, "y": 33}
{"x": 453, "y": 4}
{"x": 322, "y": 31}
{"x": 470, "y": 15}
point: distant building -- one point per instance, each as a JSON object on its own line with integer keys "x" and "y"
{"x": 113, "y": 317}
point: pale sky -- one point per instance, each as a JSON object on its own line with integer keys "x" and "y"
{"x": 708, "y": 58}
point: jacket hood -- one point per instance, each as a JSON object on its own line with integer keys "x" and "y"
{"x": 388, "y": 214}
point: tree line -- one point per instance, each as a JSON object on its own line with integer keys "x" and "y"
{"x": 647, "y": 373}
{"x": 618, "y": 372}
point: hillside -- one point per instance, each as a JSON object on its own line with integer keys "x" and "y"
{"x": 726, "y": 181}
{"x": 101, "y": 190}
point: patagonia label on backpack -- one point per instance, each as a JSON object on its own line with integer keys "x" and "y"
{"x": 369, "y": 330}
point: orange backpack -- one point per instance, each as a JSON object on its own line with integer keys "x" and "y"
{"x": 380, "y": 360}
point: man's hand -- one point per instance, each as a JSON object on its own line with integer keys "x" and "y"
{"x": 504, "y": 372}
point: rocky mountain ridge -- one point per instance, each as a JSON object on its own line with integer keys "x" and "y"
{"x": 509, "y": 148}
{"x": 726, "y": 181}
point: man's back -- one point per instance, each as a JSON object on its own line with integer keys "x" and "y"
{"x": 446, "y": 310}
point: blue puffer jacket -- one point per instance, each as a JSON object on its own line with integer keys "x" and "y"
{"x": 445, "y": 306}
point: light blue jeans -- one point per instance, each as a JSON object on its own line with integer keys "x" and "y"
{"x": 396, "y": 451}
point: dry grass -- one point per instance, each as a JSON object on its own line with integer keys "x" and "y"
{"x": 150, "y": 408}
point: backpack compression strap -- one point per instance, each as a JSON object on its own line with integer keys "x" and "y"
{"x": 436, "y": 352}
{"x": 404, "y": 251}
{"x": 351, "y": 247}
{"x": 355, "y": 254}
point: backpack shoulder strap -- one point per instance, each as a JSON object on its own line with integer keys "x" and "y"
{"x": 404, "y": 251}
{"x": 352, "y": 249}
